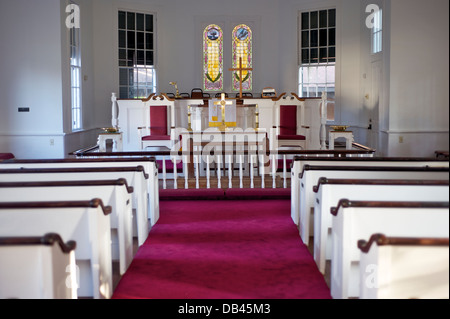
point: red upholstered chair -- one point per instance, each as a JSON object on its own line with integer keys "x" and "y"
{"x": 159, "y": 129}
{"x": 289, "y": 128}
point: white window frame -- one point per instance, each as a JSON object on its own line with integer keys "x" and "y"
{"x": 309, "y": 73}
{"x": 377, "y": 32}
{"x": 75, "y": 78}
{"x": 144, "y": 76}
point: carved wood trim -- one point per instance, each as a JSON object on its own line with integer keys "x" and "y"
{"x": 155, "y": 97}
{"x": 275, "y": 99}
{"x": 382, "y": 240}
{"x": 386, "y": 204}
{"x": 47, "y": 240}
{"x": 94, "y": 203}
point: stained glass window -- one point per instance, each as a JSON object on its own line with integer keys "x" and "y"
{"x": 212, "y": 58}
{"x": 242, "y": 48}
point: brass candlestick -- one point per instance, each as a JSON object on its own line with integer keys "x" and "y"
{"x": 189, "y": 119}
{"x": 177, "y": 95}
{"x": 256, "y": 117}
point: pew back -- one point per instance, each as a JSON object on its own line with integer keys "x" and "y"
{"x": 86, "y": 222}
{"x": 113, "y": 193}
{"x": 148, "y": 164}
{"x": 300, "y": 161}
{"x": 37, "y": 268}
{"x": 311, "y": 174}
{"x": 404, "y": 268}
{"x": 329, "y": 191}
{"x": 135, "y": 177}
{"x": 353, "y": 220}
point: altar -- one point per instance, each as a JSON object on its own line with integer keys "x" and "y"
{"x": 193, "y": 115}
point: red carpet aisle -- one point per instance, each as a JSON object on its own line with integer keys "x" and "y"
{"x": 242, "y": 249}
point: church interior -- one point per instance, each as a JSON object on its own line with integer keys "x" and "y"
{"x": 224, "y": 150}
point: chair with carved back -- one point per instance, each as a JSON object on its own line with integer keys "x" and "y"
{"x": 290, "y": 127}
{"x": 159, "y": 129}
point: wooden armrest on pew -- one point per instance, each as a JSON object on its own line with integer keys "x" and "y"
{"x": 120, "y": 181}
{"x": 324, "y": 180}
{"x": 383, "y": 240}
{"x": 94, "y": 203}
{"x": 350, "y": 203}
{"x": 48, "y": 240}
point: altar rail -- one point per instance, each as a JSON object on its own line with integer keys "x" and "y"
{"x": 220, "y": 168}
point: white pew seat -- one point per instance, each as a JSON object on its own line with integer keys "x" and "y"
{"x": 300, "y": 161}
{"x": 311, "y": 174}
{"x": 353, "y": 220}
{"x": 135, "y": 177}
{"x": 404, "y": 268}
{"x": 37, "y": 268}
{"x": 148, "y": 163}
{"x": 85, "y": 222}
{"x": 328, "y": 192}
{"x": 114, "y": 193}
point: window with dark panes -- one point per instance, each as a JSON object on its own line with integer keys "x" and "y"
{"x": 317, "y": 52}
{"x": 136, "y": 55}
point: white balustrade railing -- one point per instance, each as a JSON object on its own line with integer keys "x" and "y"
{"x": 218, "y": 168}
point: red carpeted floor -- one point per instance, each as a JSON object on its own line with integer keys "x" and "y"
{"x": 223, "y": 249}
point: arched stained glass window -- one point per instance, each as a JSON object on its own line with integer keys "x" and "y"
{"x": 212, "y": 58}
{"x": 242, "y": 48}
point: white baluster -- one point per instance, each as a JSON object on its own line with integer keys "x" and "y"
{"x": 186, "y": 173}
{"x": 175, "y": 173}
{"x": 263, "y": 183}
{"x": 164, "y": 173}
{"x": 284, "y": 171}
{"x": 219, "y": 173}
{"x": 252, "y": 185}
{"x": 230, "y": 171}
{"x": 197, "y": 173}
{"x": 241, "y": 169}
{"x": 208, "y": 185}
{"x": 274, "y": 171}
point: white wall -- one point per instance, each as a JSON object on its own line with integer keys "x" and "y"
{"x": 30, "y": 68}
{"x": 419, "y": 77}
{"x": 274, "y": 23}
{"x": 35, "y": 72}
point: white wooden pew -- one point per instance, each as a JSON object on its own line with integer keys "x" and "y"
{"x": 328, "y": 192}
{"x": 353, "y": 220}
{"x": 311, "y": 174}
{"x": 300, "y": 161}
{"x": 135, "y": 177}
{"x": 113, "y": 193}
{"x": 37, "y": 268}
{"x": 404, "y": 268}
{"x": 85, "y": 222}
{"x": 148, "y": 163}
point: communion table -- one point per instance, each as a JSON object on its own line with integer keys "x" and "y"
{"x": 216, "y": 146}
